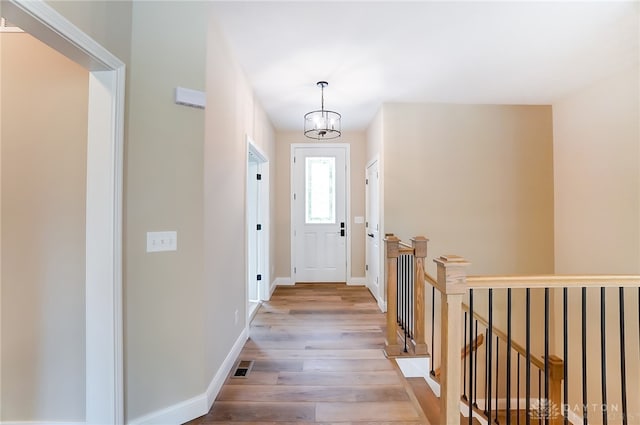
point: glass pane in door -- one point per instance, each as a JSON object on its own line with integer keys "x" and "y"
{"x": 320, "y": 190}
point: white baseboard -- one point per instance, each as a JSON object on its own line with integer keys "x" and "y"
{"x": 221, "y": 375}
{"x": 374, "y": 291}
{"x": 435, "y": 386}
{"x": 357, "y": 281}
{"x": 199, "y": 405}
{"x": 464, "y": 410}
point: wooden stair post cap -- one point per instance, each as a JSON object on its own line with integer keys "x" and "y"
{"x": 451, "y": 259}
{"x": 452, "y": 277}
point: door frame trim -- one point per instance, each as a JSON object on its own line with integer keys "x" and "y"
{"x": 347, "y": 183}
{"x": 264, "y": 292}
{"x": 104, "y": 393}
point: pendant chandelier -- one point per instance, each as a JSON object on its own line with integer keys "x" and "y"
{"x": 322, "y": 124}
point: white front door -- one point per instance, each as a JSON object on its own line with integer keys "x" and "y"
{"x": 319, "y": 214}
{"x": 372, "y": 223}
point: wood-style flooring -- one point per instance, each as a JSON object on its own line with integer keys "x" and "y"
{"x": 318, "y": 358}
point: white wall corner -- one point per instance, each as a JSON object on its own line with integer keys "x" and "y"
{"x": 357, "y": 281}
{"x": 201, "y": 404}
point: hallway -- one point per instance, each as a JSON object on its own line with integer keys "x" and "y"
{"x": 317, "y": 352}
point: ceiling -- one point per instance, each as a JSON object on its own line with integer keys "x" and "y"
{"x": 449, "y": 52}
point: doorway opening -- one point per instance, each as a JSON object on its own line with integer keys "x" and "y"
{"x": 104, "y": 392}
{"x": 257, "y": 219}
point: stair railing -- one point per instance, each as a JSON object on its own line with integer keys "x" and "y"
{"x": 562, "y": 390}
{"x": 567, "y": 348}
{"x": 405, "y": 283}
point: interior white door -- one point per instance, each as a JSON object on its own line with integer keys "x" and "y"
{"x": 372, "y": 223}
{"x": 320, "y": 225}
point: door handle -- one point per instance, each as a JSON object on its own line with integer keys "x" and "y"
{"x": 371, "y": 235}
{"x": 342, "y": 232}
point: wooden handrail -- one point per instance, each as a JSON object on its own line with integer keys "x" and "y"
{"x": 552, "y": 281}
{"x": 402, "y": 250}
{"x": 432, "y": 281}
{"x": 537, "y": 362}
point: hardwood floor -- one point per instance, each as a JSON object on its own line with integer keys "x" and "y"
{"x": 317, "y": 352}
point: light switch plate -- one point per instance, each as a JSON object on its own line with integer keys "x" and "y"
{"x": 162, "y": 241}
{"x": 358, "y": 219}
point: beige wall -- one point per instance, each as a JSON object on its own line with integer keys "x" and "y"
{"x": 106, "y": 21}
{"x": 43, "y": 143}
{"x": 477, "y": 180}
{"x": 357, "y": 141}
{"x": 375, "y": 136}
{"x": 597, "y": 213}
{"x": 164, "y": 319}
{"x": 597, "y": 178}
{"x": 232, "y": 114}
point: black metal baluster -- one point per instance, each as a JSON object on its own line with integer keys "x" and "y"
{"x": 508, "y": 356}
{"x": 527, "y": 399}
{"x": 406, "y": 301}
{"x": 464, "y": 368}
{"x": 399, "y": 290}
{"x": 470, "y": 356}
{"x": 490, "y": 356}
{"x": 497, "y": 375}
{"x": 584, "y": 357}
{"x": 409, "y": 296}
{"x": 546, "y": 354}
{"x": 487, "y": 376}
{"x": 518, "y": 392}
{"x": 565, "y": 339}
{"x": 623, "y": 363}
{"x": 603, "y": 355}
{"x": 475, "y": 363}
{"x": 405, "y": 316}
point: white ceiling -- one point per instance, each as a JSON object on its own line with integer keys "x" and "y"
{"x": 453, "y": 52}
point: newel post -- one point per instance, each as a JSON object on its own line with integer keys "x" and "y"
{"x": 452, "y": 284}
{"x": 419, "y": 244}
{"x": 556, "y": 375}
{"x": 391, "y": 346}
